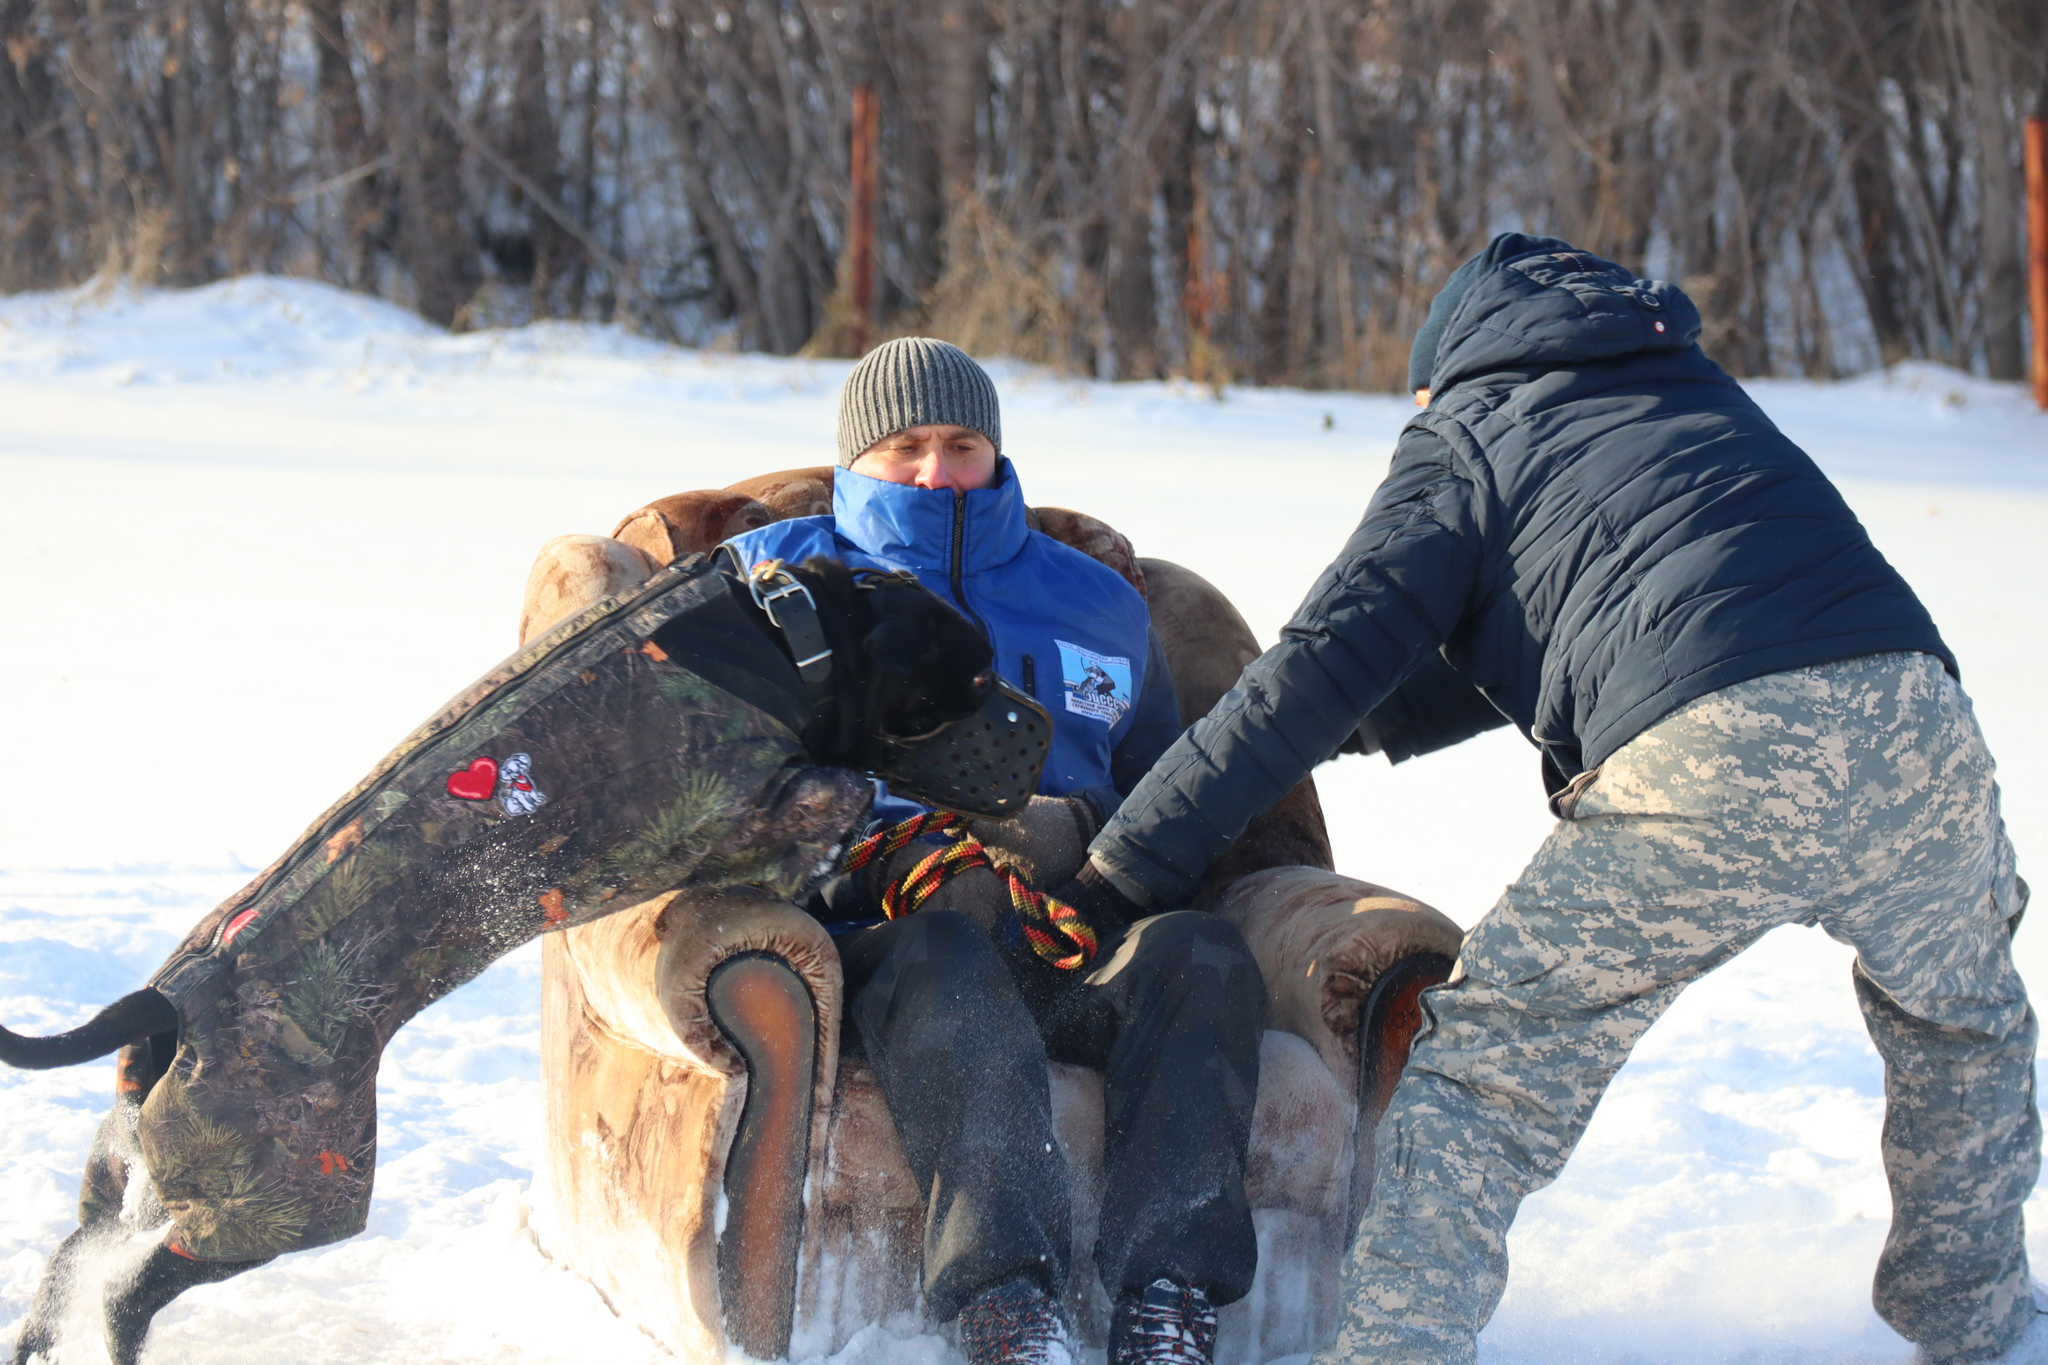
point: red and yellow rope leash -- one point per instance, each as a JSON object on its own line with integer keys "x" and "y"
{"x": 1052, "y": 927}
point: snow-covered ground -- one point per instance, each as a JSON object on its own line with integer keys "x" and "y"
{"x": 251, "y": 533}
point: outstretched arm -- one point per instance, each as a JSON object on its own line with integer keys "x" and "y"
{"x": 1435, "y": 707}
{"x": 1398, "y": 589}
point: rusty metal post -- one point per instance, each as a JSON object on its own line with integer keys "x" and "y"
{"x": 2037, "y": 249}
{"x": 860, "y": 228}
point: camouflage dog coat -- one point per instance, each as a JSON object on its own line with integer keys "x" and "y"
{"x": 585, "y": 773}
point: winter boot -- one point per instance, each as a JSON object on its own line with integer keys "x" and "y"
{"x": 1014, "y": 1324}
{"x": 1165, "y": 1324}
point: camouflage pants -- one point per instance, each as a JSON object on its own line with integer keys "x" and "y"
{"x": 1857, "y": 796}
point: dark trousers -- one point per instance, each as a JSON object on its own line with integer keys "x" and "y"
{"x": 958, "y": 1032}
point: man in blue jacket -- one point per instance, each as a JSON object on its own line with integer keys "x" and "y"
{"x": 1745, "y": 718}
{"x": 957, "y": 1022}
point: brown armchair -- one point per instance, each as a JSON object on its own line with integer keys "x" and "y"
{"x": 723, "y": 1179}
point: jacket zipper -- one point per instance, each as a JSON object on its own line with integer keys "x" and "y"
{"x": 959, "y": 555}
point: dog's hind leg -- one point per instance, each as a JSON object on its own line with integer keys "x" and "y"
{"x": 46, "y": 1313}
{"x": 115, "y": 1205}
{"x": 127, "y": 1305}
{"x": 132, "y": 1304}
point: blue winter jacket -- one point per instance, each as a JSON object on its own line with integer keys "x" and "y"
{"x": 1590, "y": 526}
{"x": 1065, "y": 628}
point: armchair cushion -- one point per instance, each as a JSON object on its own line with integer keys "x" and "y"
{"x": 688, "y": 522}
{"x": 571, "y": 572}
{"x": 1186, "y": 607}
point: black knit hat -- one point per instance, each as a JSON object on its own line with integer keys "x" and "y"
{"x": 1507, "y": 246}
{"x": 915, "y": 382}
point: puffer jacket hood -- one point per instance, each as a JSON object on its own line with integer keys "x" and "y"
{"x": 1545, "y": 303}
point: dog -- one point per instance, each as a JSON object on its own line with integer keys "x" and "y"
{"x": 688, "y": 733}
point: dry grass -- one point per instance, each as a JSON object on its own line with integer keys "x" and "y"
{"x": 998, "y": 296}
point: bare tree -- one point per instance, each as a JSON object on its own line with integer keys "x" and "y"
{"x": 1267, "y": 190}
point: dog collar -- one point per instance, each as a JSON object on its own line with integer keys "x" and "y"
{"x": 773, "y": 586}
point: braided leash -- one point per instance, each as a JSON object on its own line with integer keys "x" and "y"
{"x": 1052, "y": 927}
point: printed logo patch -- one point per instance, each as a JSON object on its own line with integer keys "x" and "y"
{"x": 515, "y": 786}
{"x": 237, "y": 925}
{"x": 1097, "y": 685}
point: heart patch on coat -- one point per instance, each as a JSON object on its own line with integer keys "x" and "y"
{"x": 477, "y": 782}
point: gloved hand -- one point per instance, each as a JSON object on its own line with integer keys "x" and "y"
{"x": 1045, "y": 840}
{"x": 1097, "y": 901}
{"x": 1068, "y": 931}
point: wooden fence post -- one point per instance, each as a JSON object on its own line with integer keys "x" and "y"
{"x": 860, "y": 229}
{"x": 1195, "y": 300}
{"x": 2037, "y": 249}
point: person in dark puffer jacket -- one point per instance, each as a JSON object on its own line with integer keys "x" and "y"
{"x": 1745, "y": 717}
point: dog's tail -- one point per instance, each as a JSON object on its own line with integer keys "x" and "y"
{"x": 128, "y": 1020}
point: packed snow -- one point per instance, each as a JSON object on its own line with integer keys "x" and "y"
{"x": 252, "y": 533}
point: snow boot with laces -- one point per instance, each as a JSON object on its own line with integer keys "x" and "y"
{"x": 1164, "y": 1324}
{"x": 1015, "y": 1323}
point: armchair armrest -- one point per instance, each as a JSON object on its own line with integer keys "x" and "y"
{"x": 1323, "y": 940}
{"x": 741, "y": 994}
{"x": 701, "y": 932}
{"x": 645, "y": 971}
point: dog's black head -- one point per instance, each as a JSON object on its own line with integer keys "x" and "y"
{"x": 904, "y": 662}
{"x": 905, "y": 693}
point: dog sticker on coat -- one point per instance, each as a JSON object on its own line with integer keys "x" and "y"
{"x": 1097, "y": 685}
{"x": 516, "y": 791}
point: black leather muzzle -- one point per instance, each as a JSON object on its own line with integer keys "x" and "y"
{"x": 987, "y": 764}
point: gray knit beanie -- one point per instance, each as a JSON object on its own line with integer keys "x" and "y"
{"x": 914, "y": 382}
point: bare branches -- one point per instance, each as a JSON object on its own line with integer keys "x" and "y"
{"x": 1253, "y": 189}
